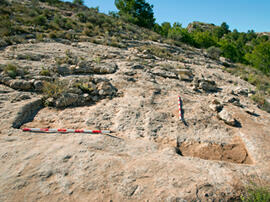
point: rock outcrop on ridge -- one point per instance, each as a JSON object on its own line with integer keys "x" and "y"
{"x": 151, "y": 155}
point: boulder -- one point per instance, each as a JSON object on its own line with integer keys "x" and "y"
{"x": 137, "y": 66}
{"x": 185, "y": 75}
{"x": 87, "y": 67}
{"x": 159, "y": 71}
{"x": 233, "y": 100}
{"x": 228, "y": 118}
{"x": 38, "y": 85}
{"x": 208, "y": 85}
{"x": 105, "y": 88}
{"x": 216, "y": 106}
{"x": 30, "y": 56}
{"x": 63, "y": 69}
{"x": 75, "y": 91}
{"x": 83, "y": 67}
{"x": 241, "y": 91}
{"x": 105, "y": 68}
{"x": 66, "y": 99}
{"x": 84, "y": 99}
{"x": 20, "y": 84}
{"x": 41, "y": 78}
{"x": 5, "y": 79}
{"x": 223, "y": 59}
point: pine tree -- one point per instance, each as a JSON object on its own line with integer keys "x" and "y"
{"x": 138, "y": 12}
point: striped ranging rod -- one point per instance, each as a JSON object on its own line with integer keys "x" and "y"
{"x": 50, "y": 130}
{"x": 180, "y": 107}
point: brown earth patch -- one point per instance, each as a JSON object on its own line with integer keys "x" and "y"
{"x": 234, "y": 153}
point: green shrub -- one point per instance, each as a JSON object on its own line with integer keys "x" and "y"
{"x": 53, "y": 35}
{"x": 229, "y": 50}
{"x": 256, "y": 194}
{"x": 86, "y": 87}
{"x": 97, "y": 59}
{"x": 260, "y": 99}
{"x": 40, "y": 20}
{"x": 40, "y": 37}
{"x": 52, "y": 2}
{"x": 11, "y": 70}
{"x": 54, "y": 89}
{"x": 213, "y": 52}
{"x": 157, "y": 51}
{"x": 88, "y": 32}
{"x": 45, "y": 72}
{"x": 204, "y": 39}
{"x": 82, "y": 17}
{"x": 178, "y": 33}
{"x": 257, "y": 78}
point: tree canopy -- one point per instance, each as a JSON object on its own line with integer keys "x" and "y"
{"x": 260, "y": 57}
{"x": 80, "y": 2}
{"x": 138, "y": 12}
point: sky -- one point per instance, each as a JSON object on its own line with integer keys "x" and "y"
{"x": 242, "y": 15}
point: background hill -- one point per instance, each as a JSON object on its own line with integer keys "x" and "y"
{"x": 53, "y": 20}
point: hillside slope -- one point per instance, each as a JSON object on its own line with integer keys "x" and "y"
{"x": 212, "y": 154}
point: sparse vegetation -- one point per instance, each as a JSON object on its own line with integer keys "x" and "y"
{"x": 97, "y": 59}
{"x": 86, "y": 87}
{"x": 260, "y": 99}
{"x": 17, "y": 20}
{"x": 256, "y": 78}
{"x": 214, "y": 52}
{"x": 256, "y": 193}
{"x": 54, "y": 89}
{"x": 45, "y": 72}
{"x": 11, "y": 70}
{"x": 160, "y": 52}
{"x": 157, "y": 51}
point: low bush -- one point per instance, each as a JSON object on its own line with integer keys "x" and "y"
{"x": 40, "y": 20}
{"x": 157, "y": 51}
{"x": 255, "y": 193}
{"x": 261, "y": 100}
{"x": 214, "y": 52}
{"x": 54, "y": 89}
{"x": 45, "y": 72}
{"x": 11, "y": 70}
{"x": 256, "y": 78}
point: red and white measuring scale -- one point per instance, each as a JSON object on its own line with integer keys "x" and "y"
{"x": 50, "y": 130}
{"x": 180, "y": 107}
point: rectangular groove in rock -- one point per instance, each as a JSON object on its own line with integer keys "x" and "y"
{"x": 234, "y": 153}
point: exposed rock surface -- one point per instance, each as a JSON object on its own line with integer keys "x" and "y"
{"x": 66, "y": 99}
{"x": 20, "y": 84}
{"x": 227, "y": 117}
{"x": 151, "y": 155}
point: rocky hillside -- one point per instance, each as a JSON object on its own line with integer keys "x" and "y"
{"x": 221, "y": 144}
{"x": 53, "y": 20}
{"x": 200, "y": 26}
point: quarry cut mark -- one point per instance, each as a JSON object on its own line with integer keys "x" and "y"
{"x": 234, "y": 153}
{"x": 27, "y": 113}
